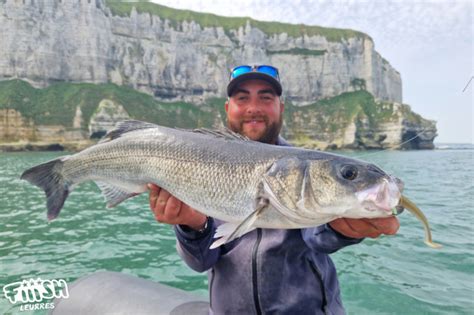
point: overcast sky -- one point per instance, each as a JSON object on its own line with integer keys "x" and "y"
{"x": 429, "y": 42}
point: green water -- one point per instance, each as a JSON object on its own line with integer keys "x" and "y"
{"x": 390, "y": 275}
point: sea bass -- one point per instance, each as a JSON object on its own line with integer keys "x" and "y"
{"x": 224, "y": 175}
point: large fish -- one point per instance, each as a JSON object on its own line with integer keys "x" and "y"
{"x": 224, "y": 175}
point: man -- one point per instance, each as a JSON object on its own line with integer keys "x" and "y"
{"x": 266, "y": 270}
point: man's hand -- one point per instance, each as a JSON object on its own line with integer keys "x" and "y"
{"x": 169, "y": 209}
{"x": 358, "y": 228}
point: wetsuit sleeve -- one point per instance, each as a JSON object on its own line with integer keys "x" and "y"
{"x": 193, "y": 246}
{"x": 323, "y": 239}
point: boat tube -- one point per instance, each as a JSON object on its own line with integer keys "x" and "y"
{"x": 117, "y": 293}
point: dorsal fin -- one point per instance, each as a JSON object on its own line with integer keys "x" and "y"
{"x": 226, "y": 134}
{"x": 132, "y": 125}
{"x": 124, "y": 127}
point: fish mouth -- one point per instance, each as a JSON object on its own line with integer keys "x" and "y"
{"x": 384, "y": 196}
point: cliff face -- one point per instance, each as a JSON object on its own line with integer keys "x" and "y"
{"x": 45, "y": 41}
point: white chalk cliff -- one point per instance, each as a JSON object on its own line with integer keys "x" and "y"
{"x": 46, "y": 41}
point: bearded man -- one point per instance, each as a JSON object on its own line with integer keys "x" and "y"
{"x": 266, "y": 271}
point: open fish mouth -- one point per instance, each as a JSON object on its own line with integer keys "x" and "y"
{"x": 387, "y": 197}
{"x": 384, "y": 196}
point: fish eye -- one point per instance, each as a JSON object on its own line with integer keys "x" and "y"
{"x": 349, "y": 172}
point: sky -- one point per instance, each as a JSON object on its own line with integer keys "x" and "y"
{"x": 429, "y": 42}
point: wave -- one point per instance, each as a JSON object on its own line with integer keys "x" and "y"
{"x": 454, "y": 146}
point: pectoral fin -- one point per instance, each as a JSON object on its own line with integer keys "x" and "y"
{"x": 115, "y": 195}
{"x": 230, "y": 231}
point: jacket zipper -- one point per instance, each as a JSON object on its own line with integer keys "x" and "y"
{"x": 255, "y": 271}
{"x": 210, "y": 288}
{"x": 318, "y": 275}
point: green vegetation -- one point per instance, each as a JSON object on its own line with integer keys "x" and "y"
{"x": 298, "y": 51}
{"x": 411, "y": 116}
{"x": 56, "y": 105}
{"x": 336, "y": 113}
{"x": 176, "y": 17}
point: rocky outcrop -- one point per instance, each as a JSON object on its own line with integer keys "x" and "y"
{"x": 14, "y": 127}
{"x": 18, "y": 133}
{"x": 46, "y": 41}
{"x": 400, "y": 133}
{"x": 359, "y": 122}
{"x": 107, "y": 115}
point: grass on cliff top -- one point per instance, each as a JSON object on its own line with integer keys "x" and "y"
{"x": 176, "y": 17}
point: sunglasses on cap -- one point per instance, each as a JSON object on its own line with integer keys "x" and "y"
{"x": 268, "y": 70}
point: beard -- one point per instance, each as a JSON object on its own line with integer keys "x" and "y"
{"x": 269, "y": 135}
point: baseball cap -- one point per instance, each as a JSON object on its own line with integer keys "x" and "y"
{"x": 256, "y": 72}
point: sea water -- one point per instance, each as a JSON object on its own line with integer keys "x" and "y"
{"x": 389, "y": 275}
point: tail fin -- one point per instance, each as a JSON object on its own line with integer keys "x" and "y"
{"x": 48, "y": 176}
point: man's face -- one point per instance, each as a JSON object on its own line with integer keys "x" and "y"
{"x": 254, "y": 110}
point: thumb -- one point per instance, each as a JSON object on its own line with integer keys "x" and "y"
{"x": 152, "y": 187}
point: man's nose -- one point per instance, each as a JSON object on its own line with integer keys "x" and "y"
{"x": 253, "y": 106}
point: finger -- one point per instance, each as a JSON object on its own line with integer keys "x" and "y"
{"x": 160, "y": 204}
{"x": 394, "y": 226}
{"x": 152, "y": 186}
{"x": 341, "y": 225}
{"x": 172, "y": 210}
{"x": 387, "y": 226}
{"x": 362, "y": 228}
{"x": 154, "y": 192}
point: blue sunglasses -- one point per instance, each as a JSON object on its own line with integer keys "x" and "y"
{"x": 269, "y": 70}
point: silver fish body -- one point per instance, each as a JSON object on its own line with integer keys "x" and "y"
{"x": 246, "y": 183}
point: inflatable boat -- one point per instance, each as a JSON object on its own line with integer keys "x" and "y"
{"x": 117, "y": 293}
